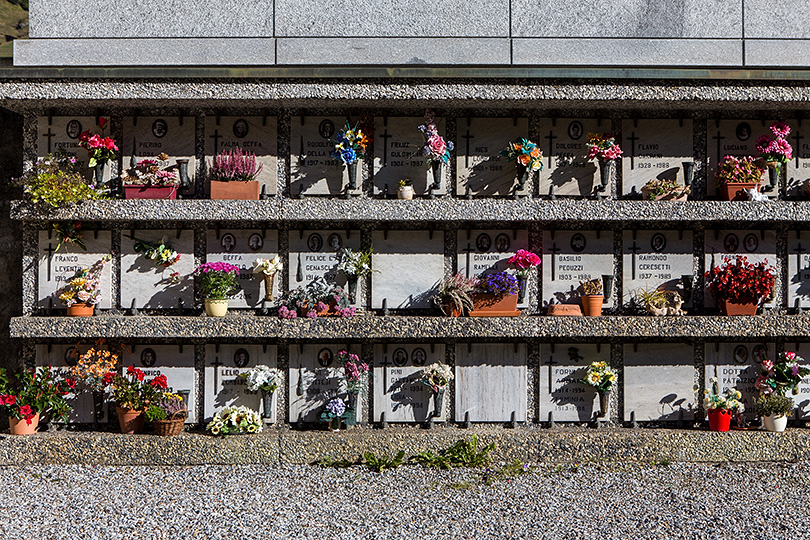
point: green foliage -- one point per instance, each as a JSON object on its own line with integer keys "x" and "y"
{"x": 507, "y": 472}
{"x": 54, "y": 182}
{"x": 328, "y": 462}
{"x": 155, "y": 413}
{"x": 379, "y": 464}
{"x": 773, "y": 404}
{"x": 462, "y": 454}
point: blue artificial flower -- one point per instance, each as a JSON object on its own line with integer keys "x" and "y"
{"x": 449, "y": 146}
{"x": 336, "y": 407}
{"x": 348, "y": 156}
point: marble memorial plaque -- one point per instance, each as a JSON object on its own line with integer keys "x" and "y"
{"x": 145, "y": 284}
{"x": 733, "y": 138}
{"x": 566, "y": 168}
{"x": 223, "y": 385}
{"x": 314, "y": 254}
{"x": 570, "y": 257}
{"x": 562, "y": 367}
{"x": 755, "y": 245}
{"x": 240, "y": 247}
{"x": 254, "y": 134}
{"x": 491, "y": 381}
{"x": 797, "y": 170}
{"x": 398, "y": 391}
{"x": 408, "y": 266}
{"x": 55, "y": 268}
{"x": 315, "y": 378}
{"x": 60, "y": 134}
{"x": 654, "y": 149}
{"x": 802, "y": 398}
{"x": 313, "y": 171}
{"x": 486, "y": 251}
{"x": 397, "y": 141}
{"x": 479, "y": 164}
{"x": 798, "y": 269}
{"x": 657, "y": 260}
{"x": 736, "y": 365}
{"x": 659, "y": 380}
{"x": 62, "y": 358}
{"x": 149, "y": 136}
{"x": 175, "y": 362}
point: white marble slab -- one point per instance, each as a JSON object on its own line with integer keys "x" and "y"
{"x": 659, "y": 380}
{"x": 486, "y": 251}
{"x": 562, "y": 368}
{"x": 148, "y": 136}
{"x": 398, "y": 391}
{"x": 223, "y": 385}
{"x": 240, "y": 247}
{"x": 55, "y": 268}
{"x": 313, "y": 171}
{"x": 60, "y": 134}
{"x": 656, "y": 260}
{"x": 756, "y": 245}
{"x": 491, "y": 381}
{"x": 396, "y": 143}
{"x": 798, "y": 281}
{"x": 151, "y": 285}
{"x": 797, "y": 170}
{"x": 479, "y": 164}
{"x": 802, "y": 398}
{"x": 314, "y": 254}
{"x": 565, "y": 163}
{"x": 408, "y": 265}
{"x": 63, "y": 357}
{"x": 654, "y": 149}
{"x": 315, "y": 378}
{"x": 255, "y": 134}
{"x": 169, "y": 360}
{"x": 570, "y": 257}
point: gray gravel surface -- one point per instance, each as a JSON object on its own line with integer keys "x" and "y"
{"x": 680, "y": 500}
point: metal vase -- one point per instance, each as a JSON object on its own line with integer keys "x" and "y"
{"x": 268, "y": 286}
{"x": 99, "y": 174}
{"x": 267, "y": 404}
{"x": 98, "y": 406}
{"x": 353, "y": 396}
{"x": 522, "y": 288}
{"x": 351, "y": 285}
{"x": 437, "y": 175}
{"x": 773, "y": 175}
{"x": 351, "y": 168}
{"x": 438, "y": 403}
{"x": 604, "y": 404}
{"x": 182, "y": 166}
{"x": 523, "y": 176}
{"x": 605, "y": 172}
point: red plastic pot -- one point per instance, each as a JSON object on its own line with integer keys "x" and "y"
{"x": 719, "y": 419}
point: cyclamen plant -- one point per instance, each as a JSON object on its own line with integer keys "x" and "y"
{"x": 497, "y": 283}
{"x": 217, "y": 280}
{"x": 435, "y": 149}
{"x": 153, "y": 172}
{"x": 781, "y": 376}
{"x": 35, "y": 391}
{"x": 100, "y": 149}
{"x": 234, "y": 166}
{"x": 85, "y": 285}
{"x": 350, "y": 145}
{"x": 740, "y": 281}
{"x": 354, "y": 371}
{"x": 738, "y": 170}
{"x": 262, "y": 378}
{"x": 523, "y": 261}
{"x": 774, "y": 147}
{"x": 603, "y": 147}
{"x": 436, "y": 376}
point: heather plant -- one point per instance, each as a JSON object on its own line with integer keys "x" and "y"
{"x": 234, "y": 166}
{"x": 454, "y": 293}
{"x": 165, "y": 407}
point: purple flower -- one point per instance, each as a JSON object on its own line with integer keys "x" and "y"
{"x": 312, "y": 314}
{"x": 795, "y": 371}
{"x": 336, "y": 407}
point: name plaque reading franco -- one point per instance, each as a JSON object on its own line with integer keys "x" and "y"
{"x": 313, "y": 170}
{"x": 486, "y": 251}
{"x": 56, "y": 268}
{"x": 255, "y": 134}
{"x": 798, "y": 269}
{"x": 479, "y": 164}
{"x": 175, "y": 362}
{"x": 797, "y": 170}
{"x": 755, "y": 245}
{"x": 656, "y": 260}
{"x": 562, "y": 368}
{"x": 62, "y": 358}
{"x": 659, "y": 381}
{"x": 407, "y": 264}
{"x": 223, "y": 385}
{"x": 398, "y": 391}
{"x": 733, "y": 138}
{"x": 397, "y": 141}
{"x": 240, "y": 247}
{"x": 570, "y": 257}
{"x": 315, "y": 378}
{"x": 491, "y": 381}
{"x": 149, "y": 136}
{"x": 60, "y": 134}
{"x": 145, "y": 284}
{"x": 654, "y": 149}
{"x": 737, "y": 365}
{"x": 566, "y": 169}
{"x": 314, "y": 254}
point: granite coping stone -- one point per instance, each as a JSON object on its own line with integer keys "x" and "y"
{"x": 443, "y": 210}
{"x": 401, "y": 328}
{"x": 530, "y": 444}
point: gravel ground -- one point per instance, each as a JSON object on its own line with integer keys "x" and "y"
{"x": 679, "y": 500}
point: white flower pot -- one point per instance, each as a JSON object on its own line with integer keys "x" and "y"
{"x": 776, "y": 423}
{"x": 216, "y": 308}
{"x": 405, "y": 192}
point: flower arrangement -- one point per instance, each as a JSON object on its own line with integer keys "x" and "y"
{"x": 523, "y": 261}
{"x": 739, "y": 281}
{"x": 93, "y": 366}
{"x": 436, "y": 376}
{"x": 334, "y": 408}
{"x": 267, "y": 267}
{"x": 355, "y": 264}
{"x": 262, "y": 378}
{"x": 525, "y": 153}
{"x": 234, "y": 166}
{"x": 85, "y": 285}
{"x": 317, "y": 297}
{"x": 405, "y": 182}
{"x": 350, "y": 145}
{"x": 454, "y": 294}
{"x": 591, "y": 287}
{"x": 600, "y": 376}
{"x": 217, "y": 280}
{"x": 69, "y": 233}
{"x": 603, "y": 147}
{"x": 233, "y": 420}
{"x": 35, "y": 391}
{"x": 161, "y": 253}
{"x": 54, "y": 181}
{"x": 498, "y": 284}
{"x": 728, "y": 400}
{"x": 773, "y": 405}
{"x": 666, "y": 189}
{"x": 738, "y": 170}
{"x": 165, "y": 406}
{"x": 153, "y": 172}
{"x": 781, "y": 376}
{"x": 131, "y": 391}
{"x": 99, "y": 149}
{"x": 435, "y": 149}
{"x": 354, "y": 371}
{"x": 774, "y": 147}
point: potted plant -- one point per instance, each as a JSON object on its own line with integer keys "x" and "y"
{"x": 777, "y": 379}
{"x": 664, "y": 190}
{"x": 775, "y": 151}
{"x": 774, "y": 410}
{"x": 90, "y": 370}
{"x": 235, "y": 421}
{"x": 523, "y": 261}
{"x": 435, "y": 149}
{"x": 217, "y": 282}
{"x": 27, "y": 395}
{"x": 437, "y": 376}
{"x": 719, "y": 407}
{"x": 355, "y": 374}
{"x": 738, "y": 286}
{"x": 317, "y": 299}
{"x": 527, "y": 157}
{"x": 350, "y": 146}
{"x": 82, "y": 292}
{"x": 268, "y": 268}
{"x": 354, "y": 265}
{"x": 168, "y": 413}
{"x": 590, "y": 293}
{"x": 151, "y": 179}
{"x": 100, "y": 150}
{"x": 332, "y": 413}
{"x": 605, "y": 151}
{"x": 405, "y": 190}
{"x": 266, "y": 380}
{"x": 495, "y": 295}
{"x": 132, "y": 395}
{"x": 233, "y": 176}
{"x": 454, "y": 295}
{"x": 736, "y": 175}
{"x": 660, "y": 302}
{"x": 601, "y": 377}
{"x": 54, "y": 182}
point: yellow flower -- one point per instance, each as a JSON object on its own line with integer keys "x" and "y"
{"x": 594, "y": 378}
{"x": 612, "y": 377}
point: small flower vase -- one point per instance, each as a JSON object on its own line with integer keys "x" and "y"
{"x": 437, "y": 175}
{"x": 351, "y": 168}
{"x": 268, "y": 286}
{"x": 351, "y": 286}
{"x": 98, "y": 178}
{"x": 98, "y": 407}
{"x": 522, "y": 288}
{"x": 522, "y": 176}
{"x": 774, "y": 170}
{"x": 405, "y": 193}
{"x": 267, "y": 404}
{"x": 438, "y": 403}
{"x": 353, "y": 396}
{"x": 719, "y": 419}
{"x": 605, "y": 173}
{"x": 604, "y": 404}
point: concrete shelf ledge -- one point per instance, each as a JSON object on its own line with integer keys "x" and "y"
{"x": 408, "y": 328}
{"x": 446, "y": 210}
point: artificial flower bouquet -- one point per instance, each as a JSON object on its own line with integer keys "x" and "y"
{"x": 781, "y": 376}
{"x": 603, "y": 147}
{"x": 355, "y": 372}
{"x": 92, "y": 367}
{"x": 436, "y": 376}
{"x": 235, "y": 420}
{"x": 523, "y": 261}
{"x": 527, "y": 156}
{"x": 317, "y": 299}
{"x": 152, "y": 172}
{"x": 435, "y": 149}
{"x": 600, "y": 376}
{"x": 350, "y": 145}
{"x": 262, "y": 378}
{"x": 85, "y": 285}
{"x": 729, "y": 400}
{"x": 774, "y": 148}
{"x": 268, "y": 267}
{"x": 161, "y": 253}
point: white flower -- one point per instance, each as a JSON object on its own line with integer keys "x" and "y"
{"x": 267, "y": 266}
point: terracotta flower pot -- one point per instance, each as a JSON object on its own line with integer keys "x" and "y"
{"x": 490, "y": 305}
{"x": 242, "y": 191}
{"x": 150, "y": 192}
{"x": 592, "y": 304}
{"x": 81, "y": 310}
{"x": 450, "y": 310}
{"x": 21, "y": 427}
{"x": 729, "y": 307}
{"x": 719, "y": 419}
{"x": 130, "y": 421}
{"x": 216, "y": 307}
{"x": 736, "y": 192}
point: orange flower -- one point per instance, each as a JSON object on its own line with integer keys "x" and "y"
{"x": 536, "y": 152}
{"x": 523, "y": 159}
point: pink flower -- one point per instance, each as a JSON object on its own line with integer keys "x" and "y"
{"x": 767, "y": 364}
{"x": 312, "y": 314}
{"x": 524, "y": 259}
{"x": 780, "y": 129}
{"x": 759, "y": 382}
{"x": 437, "y": 145}
{"x": 790, "y": 355}
{"x": 763, "y": 142}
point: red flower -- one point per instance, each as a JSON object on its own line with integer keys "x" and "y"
{"x": 139, "y": 374}
{"x": 70, "y": 382}
{"x": 108, "y": 378}
{"x": 10, "y": 400}
{"x": 159, "y": 382}
{"x": 102, "y": 123}
{"x": 26, "y": 411}
{"x": 84, "y": 137}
